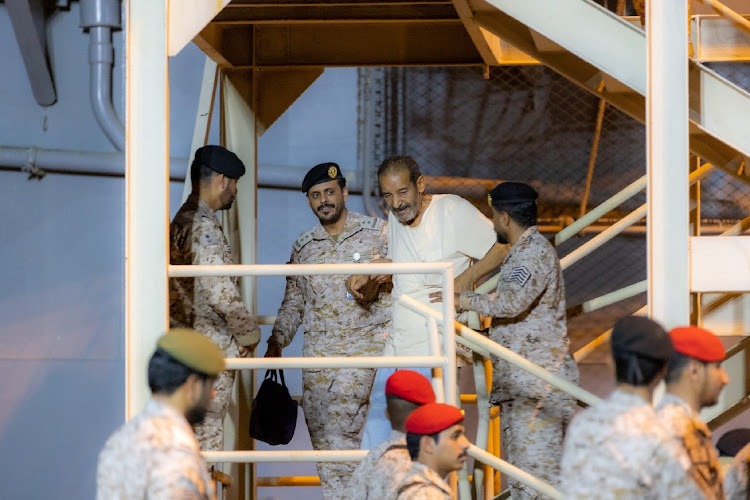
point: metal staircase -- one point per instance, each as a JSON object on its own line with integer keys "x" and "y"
{"x": 602, "y": 48}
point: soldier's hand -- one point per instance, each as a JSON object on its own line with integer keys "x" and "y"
{"x": 355, "y": 283}
{"x": 246, "y": 351}
{"x": 381, "y": 278}
{"x": 462, "y": 283}
{"x": 438, "y": 297}
{"x": 274, "y": 350}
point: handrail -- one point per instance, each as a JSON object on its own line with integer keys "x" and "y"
{"x": 507, "y": 355}
{"x": 514, "y": 472}
{"x": 608, "y": 233}
{"x": 284, "y": 456}
{"x": 729, "y": 13}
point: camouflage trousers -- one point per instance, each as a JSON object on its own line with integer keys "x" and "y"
{"x": 335, "y": 404}
{"x": 532, "y": 432}
{"x": 210, "y": 433}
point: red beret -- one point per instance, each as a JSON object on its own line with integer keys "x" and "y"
{"x": 698, "y": 343}
{"x": 433, "y": 418}
{"x": 411, "y": 386}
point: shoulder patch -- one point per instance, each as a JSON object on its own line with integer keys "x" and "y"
{"x": 518, "y": 274}
{"x": 208, "y": 239}
{"x": 303, "y": 240}
{"x": 369, "y": 222}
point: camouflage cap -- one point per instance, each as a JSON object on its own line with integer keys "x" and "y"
{"x": 192, "y": 349}
{"x": 220, "y": 159}
{"x": 320, "y": 173}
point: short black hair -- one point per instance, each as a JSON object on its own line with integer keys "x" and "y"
{"x": 676, "y": 366}
{"x": 523, "y": 213}
{"x": 412, "y": 443}
{"x": 199, "y": 172}
{"x": 637, "y": 370}
{"x": 166, "y": 374}
{"x": 399, "y": 164}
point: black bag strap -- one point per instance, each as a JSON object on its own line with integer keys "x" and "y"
{"x": 272, "y": 374}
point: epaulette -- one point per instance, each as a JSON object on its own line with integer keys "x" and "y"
{"x": 369, "y": 222}
{"x": 303, "y": 240}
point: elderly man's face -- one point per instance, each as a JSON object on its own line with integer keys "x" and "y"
{"x": 402, "y": 196}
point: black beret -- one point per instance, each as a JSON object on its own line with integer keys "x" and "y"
{"x": 220, "y": 159}
{"x": 733, "y": 441}
{"x": 511, "y": 192}
{"x": 320, "y": 173}
{"x": 641, "y": 336}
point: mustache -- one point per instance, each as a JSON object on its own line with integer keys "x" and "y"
{"x": 402, "y": 208}
{"x": 326, "y": 205}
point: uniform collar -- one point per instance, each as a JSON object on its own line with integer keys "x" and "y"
{"x": 432, "y": 476}
{"x": 350, "y": 226}
{"x": 680, "y": 404}
{"x": 203, "y": 207}
{"x": 529, "y": 233}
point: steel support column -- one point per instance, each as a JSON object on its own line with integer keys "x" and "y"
{"x": 146, "y": 187}
{"x": 667, "y": 152}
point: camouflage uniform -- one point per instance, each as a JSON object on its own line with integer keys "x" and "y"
{"x": 736, "y": 478}
{"x": 691, "y": 433}
{"x": 153, "y": 456}
{"x": 528, "y": 310}
{"x": 211, "y": 305}
{"x": 381, "y": 471}
{"x": 335, "y": 401}
{"x": 423, "y": 483}
{"x": 617, "y": 449}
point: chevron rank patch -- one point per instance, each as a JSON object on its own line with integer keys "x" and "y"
{"x": 518, "y": 275}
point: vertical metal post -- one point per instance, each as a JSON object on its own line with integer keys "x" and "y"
{"x": 146, "y": 188}
{"x": 240, "y": 133}
{"x": 695, "y": 230}
{"x": 667, "y": 152}
{"x": 449, "y": 338}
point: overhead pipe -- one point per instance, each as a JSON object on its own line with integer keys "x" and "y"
{"x": 100, "y": 17}
{"x": 38, "y": 161}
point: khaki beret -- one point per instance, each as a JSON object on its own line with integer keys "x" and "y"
{"x": 192, "y": 349}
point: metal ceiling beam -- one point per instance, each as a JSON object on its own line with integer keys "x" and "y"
{"x": 29, "y": 24}
{"x": 355, "y": 44}
{"x": 287, "y": 14}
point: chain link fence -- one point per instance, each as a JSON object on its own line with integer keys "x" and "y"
{"x": 469, "y": 128}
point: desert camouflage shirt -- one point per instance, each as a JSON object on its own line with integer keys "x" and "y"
{"x": 154, "y": 456}
{"x": 617, "y": 449}
{"x": 379, "y": 474}
{"x": 736, "y": 478}
{"x": 211, "y": 305}
{"x": 528, "y": 311}
{"x": 333, "y": 321}
{"x": 423, "y": 483}
{"x": 691, "y": 433}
